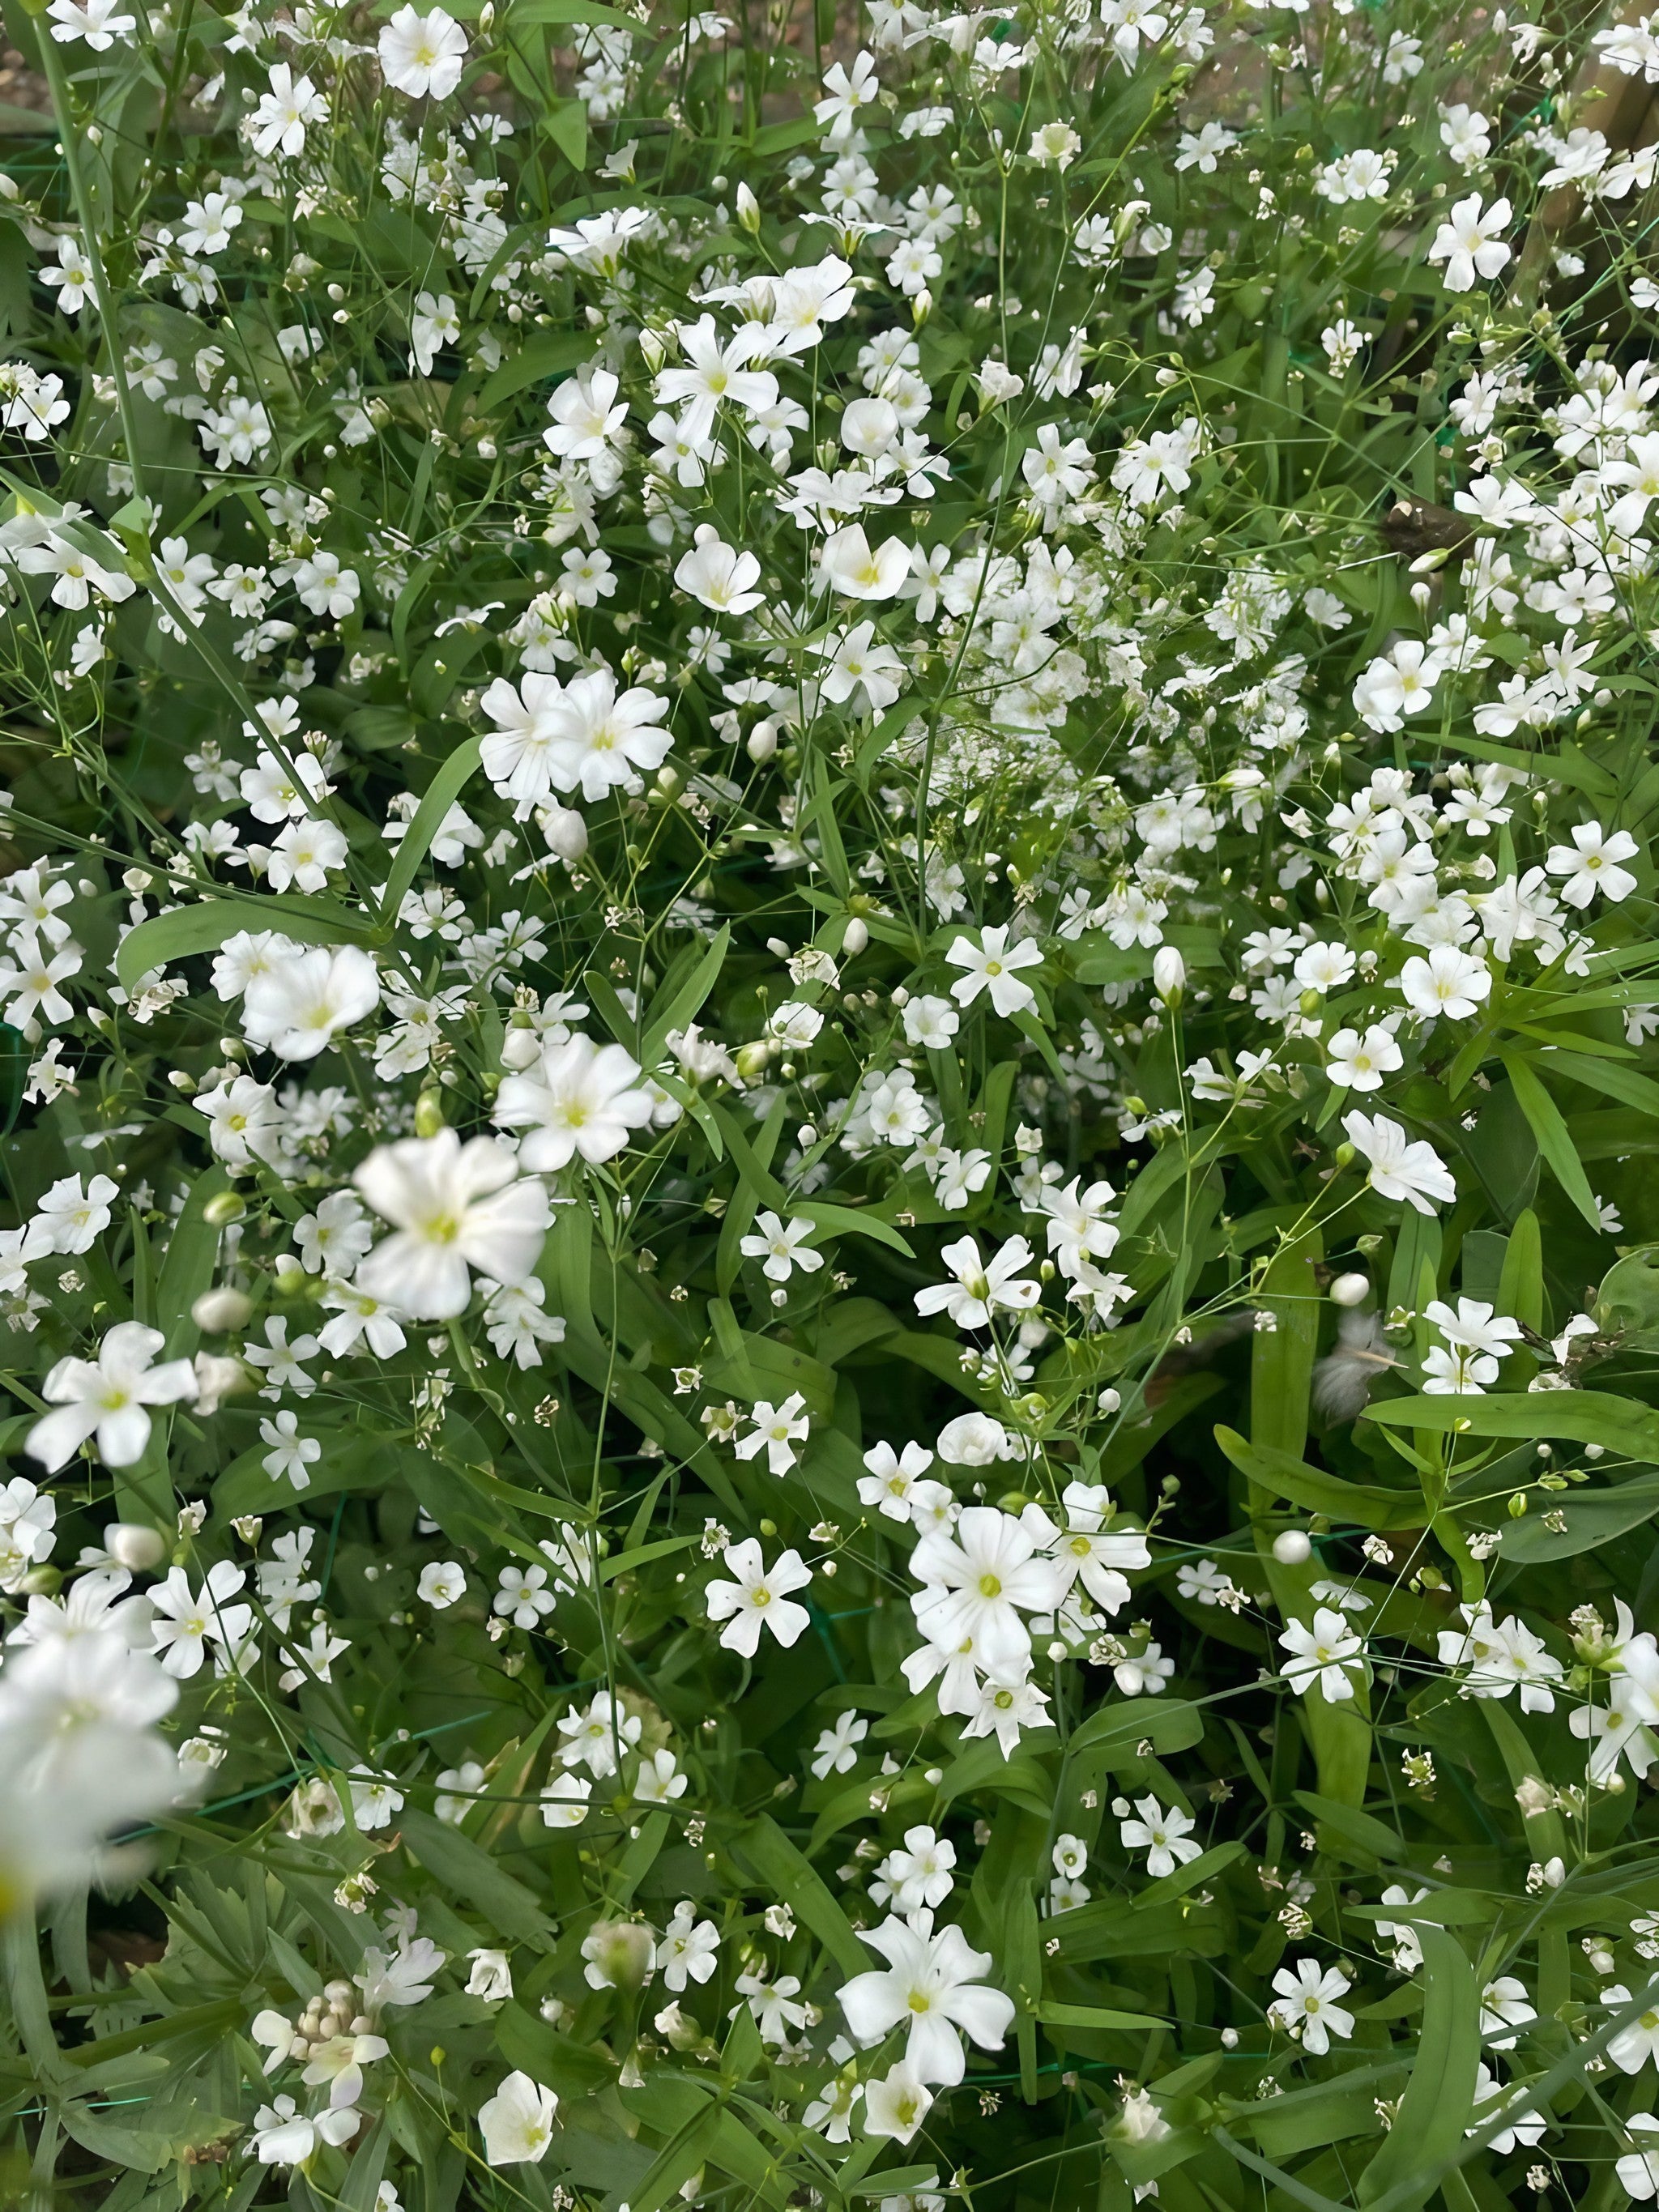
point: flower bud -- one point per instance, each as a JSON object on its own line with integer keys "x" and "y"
{"x": 749, "y": 214}
{"x": 1344, "y": 1156}
{"x": 922, "y": 306}
{"x": 221, "y": 1308}
{"x": 854, "y": 937}
{"x": 1168, "y": 974}
{"x": 1350, "y": 1289}
{"x": 1292, "y": 1548}
{"x": 752, "y": 1059}
{"x": 622, "y": 1950}
{"x": 428, "y": 1114}
{"x": 224, "y": 1207}
{"x": 565, "y": 831}
{"x": 763, "y": 742}
{"x": 135, "y": 1546}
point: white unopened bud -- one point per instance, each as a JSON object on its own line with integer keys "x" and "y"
{"x": 565, "y": 831}
{"x": 1350, "y": 1289}
{"x": 1168, "y": 974}
{"x": 763, "y": 741}
{"x": 749, "y": 214}
{"x": 1292, "y": 1548}
{"x": 221, "y": 1308}
{"x": 855, "y": 936}
{"x": 132, "y": 1545}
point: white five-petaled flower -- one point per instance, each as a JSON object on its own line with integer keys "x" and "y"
{"x": 452, "y": 1207}
{"x": 423, "y": 55}
{"x": 976, "y": 1582}
{"x": 579, "y": 1099}
{"x": 108, "y": 1399}
{"x": 1165, "y": 1837}
{"x": 1326, "y": 1654}
{"x": 517, "y": 2122}
{"x": 934, "y": 1985}
{"x": 781, "y": 1247}
{"x": 1591, "y": 864}
{"x": 982, "y": 1287}
{"x": 776, "y": 1430}
{"x": 1308, "y": 2005}
{"x": 757, "y": 1598}
{"x": 1471, "y": 242}
{"x": 717, "y": 574}
{"x": 1409, "y": 1171}
{"x": 992, "y": 965}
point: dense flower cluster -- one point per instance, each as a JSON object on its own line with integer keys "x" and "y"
{"x": 827, "y": 971}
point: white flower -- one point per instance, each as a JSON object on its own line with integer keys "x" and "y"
{"x": 585, "y": 418}
{"x": 1164, "y": 1836}
{"x": 1639, "y": 2169}
{"x": 893, "y": 1477}
{"x": 1359, "y": 1063}
{"x": 850, "y": 568}
{"x": 517, "y": 2122}
{"x": 990, "y": 966}
{"x": 1307, "y": 2006}
{"x": 491, "y": 1977}
{"x": 278, "y": 124}
{"x": 1504, "y": 2004}
{"x": 1400, "y": 1169}
{"x": 976, "y": 1582}
{"x": 719, "y": 575}
{"x": 94, "y": 20}
{"x": 441, "y": 1584}
{"x": 580, "y": 1098}
{"x": 70, "y": 1218}
{"x": 776, "y": 1430}
{"x": 284, "y": 2135}
{"x": 565, "y": 1800}
{"x": 1325, "y": 1655}
{"x": 187, "y": 1622}
{"x": 1449, "y": 982}
{"x": 920, "y": 1873}
{"x": 934, "y": 1985}
{"x": 291, "y": 1455}
{"x": 108, "y": 1399}
{"x": 1590, "y": 863}
{"x": 1471, "y": 243}
{"x": 690, "y": 1949}
{"x": 523, "y": 1597}
{"x": 835, "y": 1751}
{"x": 300, "y": 1004}
{"x": 660, "y": 1781}
{"x": 422, "y": 55}
{"x": 757, "y": 1598}
{"x": 781, "y": 1247}
{"x": 593, "y": 1735}
{"x": 981, "y": 1287}
{"x": 896, "y": 2106}
{"x": 453, "y": 1206}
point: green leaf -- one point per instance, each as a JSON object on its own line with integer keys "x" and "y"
{"x": 204, "y": 927}
{"x": 441, "y": 795}
{"x": 1544, "y": 1119}
{"x": 1585, "y": 1417}
{"x": 1364, "y": 1504}
{"x": 553, "y": 354}
{"x": 1439, "y": 2098}
{"x": 768, "y": 1853}
{"x": 678, "y": 1003}
{"x": 1095, "y": 2016}
{"x": 1593, "y": 1518}
{"x": 566, "y": 125}
{"x": 471, "y": 1873}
